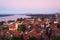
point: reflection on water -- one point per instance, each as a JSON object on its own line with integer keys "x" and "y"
{"x": 13, "y": 17}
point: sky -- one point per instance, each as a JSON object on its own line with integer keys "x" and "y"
{"x": 29, "y": 6}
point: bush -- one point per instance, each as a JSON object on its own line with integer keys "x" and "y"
{"x": 57, "y": 38}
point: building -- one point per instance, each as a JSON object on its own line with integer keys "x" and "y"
{"x": 58, "y": 16}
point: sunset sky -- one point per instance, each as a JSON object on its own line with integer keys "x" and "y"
{"x": 29, "y": 6}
